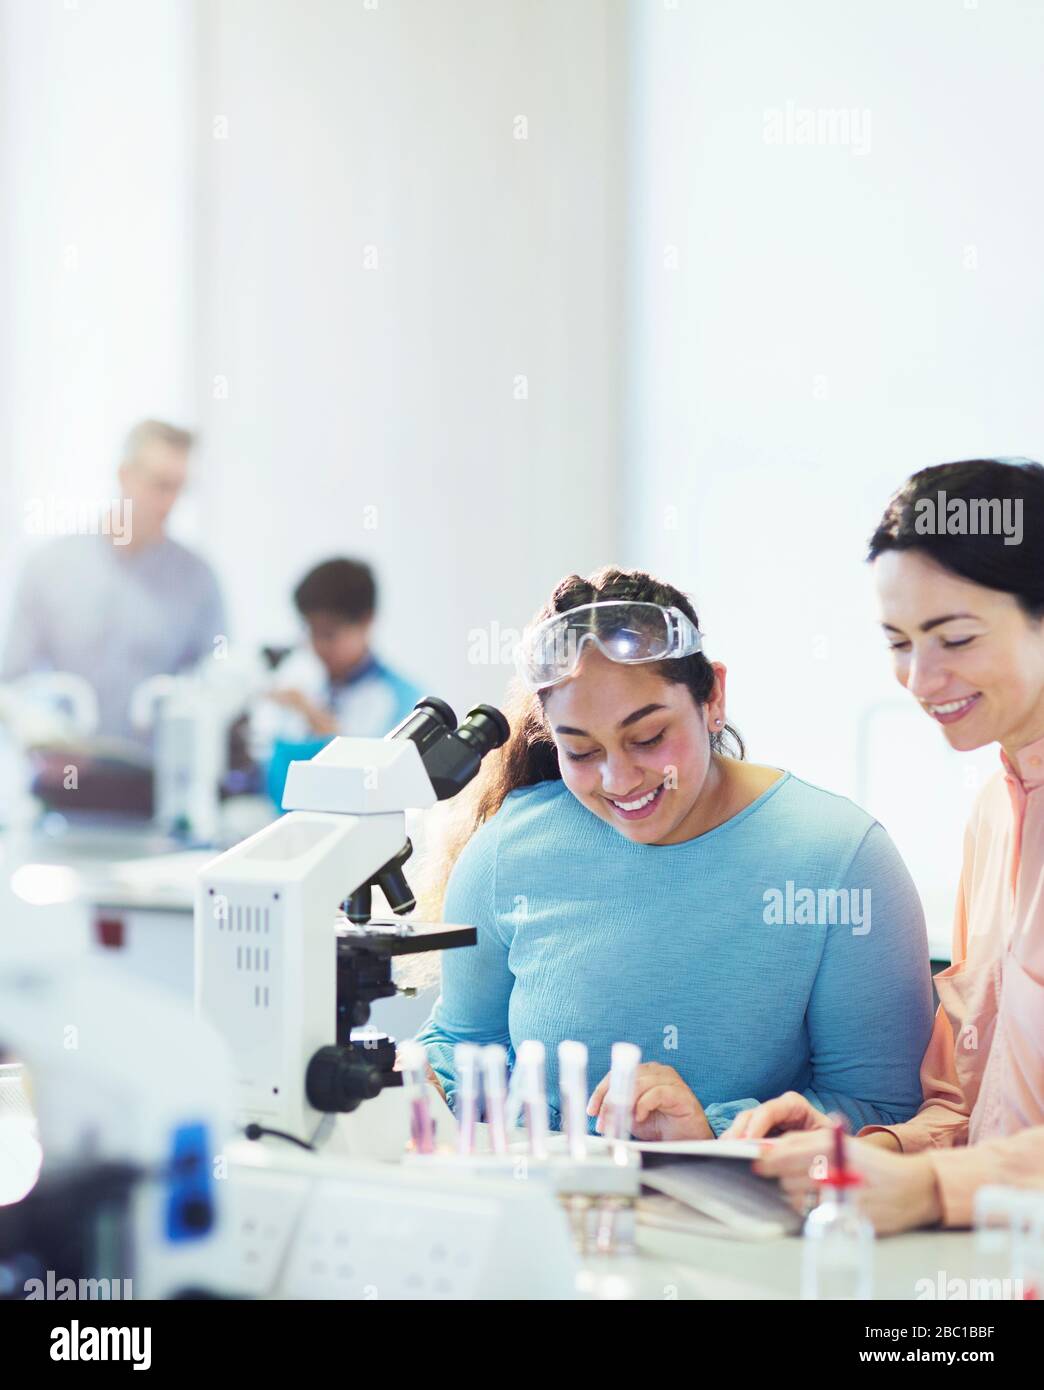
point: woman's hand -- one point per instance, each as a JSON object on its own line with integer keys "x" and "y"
{"x": 664, "y": 1107}
{"x": 898, "y": 1193}
{"x": 790, "y": 1111}
{"x": 435, "y": 1081}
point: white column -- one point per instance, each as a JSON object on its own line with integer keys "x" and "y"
{"x": 411, "y": 246}
{"x": 96, "y": 187}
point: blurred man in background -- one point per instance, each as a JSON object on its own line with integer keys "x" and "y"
{"x": 125, "y": 601}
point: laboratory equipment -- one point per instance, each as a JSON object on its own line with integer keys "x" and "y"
{"x": 529, "y": 1064}
{"x": 128, "y": 1100}
{"x": 286, "y": 980}
{"x": 311, "y": 1225}
{"x": 494, "y": 1084}
{"x": 40, "y": 710}
{"x": 282, "y": 977}
{"x": 49, "y": 707}
{"x": 466, "y": 1061}
{"x": 1009, "y": 1241}
{"x": 413, "y": 1061}
{"x": 614, "y": 1230}
{"x": 513, "y": 1100}
{"x": 619, "y": 1101}
{"x": 838, "y": 1242}
{"x": 630, "y": 633}
{"x": 572, "y": 1087}
{"x": 1030, "y": 1268}
{"x": 191, "y": 716}
{"x": 572, "y": 1090}
{"x": 596, "y": 1182}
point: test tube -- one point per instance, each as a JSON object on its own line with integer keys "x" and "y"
{"x": 513, "y": 1100}
{"x": 623, "y": 1067}
{"x": 414, "y": 1062}
{"x": 466, "y": 1065}
{"x": 494, "y": 1080}
{"x": 530, "y": 1068}
{"x": 995, "y": 1220}
{"x": 1009, "y": 1238}
{"x": 619, "y": 1115}
{"x": 572, "y": 1087}
{"x": 1031, "y": 1256}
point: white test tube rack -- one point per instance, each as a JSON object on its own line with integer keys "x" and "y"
{"x": 598, "y": 1192}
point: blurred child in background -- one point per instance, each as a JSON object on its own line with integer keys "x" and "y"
{"x": 335, "y": 684}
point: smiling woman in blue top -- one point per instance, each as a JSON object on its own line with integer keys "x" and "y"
{"x": 633, "y": 878}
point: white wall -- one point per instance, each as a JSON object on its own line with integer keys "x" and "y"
{"x": 735, "y": 348}
{"x": 380, "y": 259}
{"x": 95, "y": 183}
{"x": 838, "y": 316}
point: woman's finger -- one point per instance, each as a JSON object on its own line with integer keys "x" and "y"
{"x": 671, "y": 1100}
{"x": 757, "y": 1122}
{"x": 793, "y": 1153}
{"x": 738, "y": 1128}
{"x": 790, "y": 1111}
{"x": 594, "y": 1105}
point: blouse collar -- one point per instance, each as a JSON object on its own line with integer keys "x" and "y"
{"x": 1027, "y": 765}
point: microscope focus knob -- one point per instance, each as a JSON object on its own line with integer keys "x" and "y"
{"x": 338, "y": 1080}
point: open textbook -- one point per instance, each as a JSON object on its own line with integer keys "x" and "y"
{"x": 706, "y": 1187}
{"x": 701, "y": 1148}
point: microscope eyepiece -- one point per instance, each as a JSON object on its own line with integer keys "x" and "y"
{"x": 485, "y": 728}
{"x": 453, "y": 756}
{"x": 429, "y": 720}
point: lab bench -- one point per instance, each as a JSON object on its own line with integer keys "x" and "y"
{"x": 671, "y": 1264}
{"x": 137, "y": 888}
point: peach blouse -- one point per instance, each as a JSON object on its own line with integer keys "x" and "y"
{"x": 982, "y": 1119}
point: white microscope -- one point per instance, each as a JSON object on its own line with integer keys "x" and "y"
{"x": 282, "y": 974}
{"x": 321, "y": 1205}
{"x": 191, "y": 716}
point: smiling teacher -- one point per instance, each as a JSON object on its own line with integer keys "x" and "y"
{"x": 962, "y": 608}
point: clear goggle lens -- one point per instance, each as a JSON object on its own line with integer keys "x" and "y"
{"x": 629, "y": 633}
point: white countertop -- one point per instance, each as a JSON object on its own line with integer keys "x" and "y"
{"x": 671, "y": 1265}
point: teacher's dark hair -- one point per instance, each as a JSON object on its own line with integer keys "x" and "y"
{"x": 984, "y": 559}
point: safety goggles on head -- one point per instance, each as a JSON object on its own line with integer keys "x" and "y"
{"x": 626, "y": 632}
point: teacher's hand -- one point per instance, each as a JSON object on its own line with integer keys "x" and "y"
{"x": 664, "y": 1107}
{"x": 790, "y": 1111}
{"x": 898, "y": 1191}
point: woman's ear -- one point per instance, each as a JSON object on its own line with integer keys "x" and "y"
{"x": 716, "y": 701}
